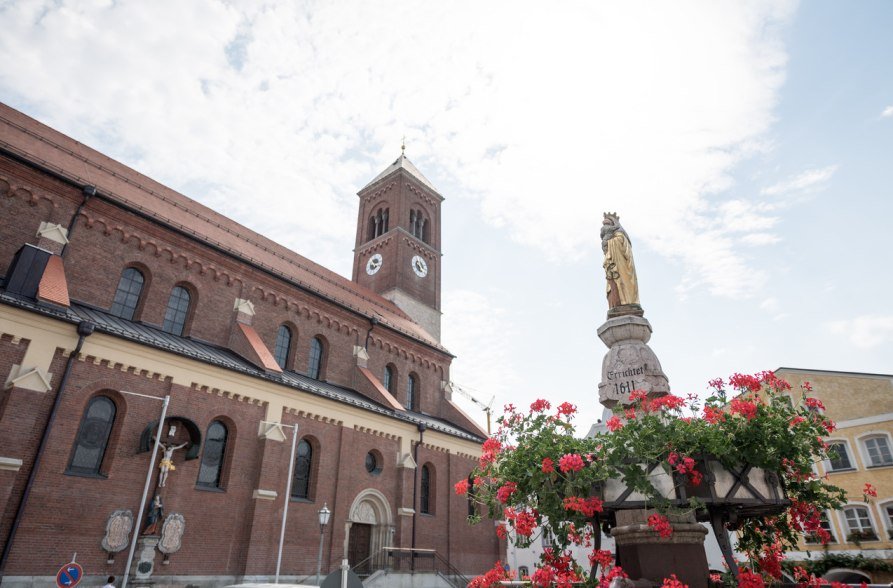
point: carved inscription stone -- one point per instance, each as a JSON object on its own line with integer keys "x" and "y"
{"x": 629, "y": 364}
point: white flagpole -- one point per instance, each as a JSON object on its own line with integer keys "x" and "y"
{"x": 291, "y": 467}
{"x": 139, "y": 513}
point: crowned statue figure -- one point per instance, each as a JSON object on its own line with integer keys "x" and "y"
{"x": 620, "y": 270}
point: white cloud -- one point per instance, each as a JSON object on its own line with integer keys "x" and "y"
{"x": 806, "y": 181}
{"x": 769, "y": 304}
{"x": 865, "y": 331}
{"x": 888, "y": 112}
{"x": 275, "y": 113}
{"x": 478, "y": 332}
{"x": 757, "y": 239}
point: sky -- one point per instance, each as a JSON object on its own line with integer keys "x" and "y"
{"x": 746, "y": 146}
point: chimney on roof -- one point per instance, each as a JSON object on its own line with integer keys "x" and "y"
{"x": 38, "y": 274}
{"x": 245, "y": 342}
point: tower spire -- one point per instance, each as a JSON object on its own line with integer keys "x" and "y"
{"x": 403, "y": 147}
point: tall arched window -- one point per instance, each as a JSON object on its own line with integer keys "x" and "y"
{"x": 425, "y": 494}
{"x": 177, "y": 311}
{"x": 283, "y": 345}
{"x": 412, "y": 392}
{"x": 127, "y": 296}
{"x": 300, "y": 485}
{"x": 316, "y": 365}
{"x": 212, "y": 456}
{"x": 378, "y": 223}
{"x": 425, "y": 231}
{"x": 93, "y": 436}
{"x": 390, "y": 378}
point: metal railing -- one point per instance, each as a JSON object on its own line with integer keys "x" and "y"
{"x": 400, "y": 560}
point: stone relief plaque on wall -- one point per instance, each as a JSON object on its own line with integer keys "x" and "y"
{"x": 364, "y": 514}
{"x": 172, "y": 534}
{"x": 117, "y": 531}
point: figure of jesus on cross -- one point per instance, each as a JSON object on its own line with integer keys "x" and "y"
{"x": 167, "y": 461}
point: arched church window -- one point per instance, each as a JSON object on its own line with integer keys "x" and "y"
{"x": 177, "y": 311}
{"x": 412, "y": 390}
{"x": 127, "y": 296}
{"x": 300, "y": 486}
{"x": 316, "y": 365}
{"x": 426, "y": 490}
{"x": 93, "y": 437}
{"x": 283, "y": 346}
{"x": 390, "y": 378}
{"x": 212, "y": 456}
{"x": 425, "y": 231}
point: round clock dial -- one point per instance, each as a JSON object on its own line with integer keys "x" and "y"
{"x": 419, "y": 266}
{"x": 374, "y": 264}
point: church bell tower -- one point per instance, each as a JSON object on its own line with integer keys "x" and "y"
{"x": 397, "y": 251}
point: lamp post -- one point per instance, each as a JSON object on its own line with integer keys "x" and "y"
{"x": 324, "y": 514}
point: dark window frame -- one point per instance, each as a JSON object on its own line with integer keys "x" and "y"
{"x": 302, "y": 478}
{"x": 127, "y": 299}
{"x": 175, "y": 317}
{"x": 282, "y": 353}
{"x": 426, "y": 490}
{"x": 218, "y": 482}
{"x": 390, "y": 378}
{"x": 316, "y": 361}
{"x": 81, "y": 437}
{"x": 412, "y": 392}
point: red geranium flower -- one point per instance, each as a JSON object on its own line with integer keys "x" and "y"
{"x": 548, "y": 465}
{"x": 570, "y": 462}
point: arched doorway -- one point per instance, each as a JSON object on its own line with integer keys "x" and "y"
{"x": 369, "y": 529}
{"x": 844, "y": 575}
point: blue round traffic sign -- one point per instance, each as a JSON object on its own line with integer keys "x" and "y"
{"x": 69, "y": 575}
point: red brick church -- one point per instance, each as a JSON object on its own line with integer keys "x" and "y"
{"x": 116, "y": 291}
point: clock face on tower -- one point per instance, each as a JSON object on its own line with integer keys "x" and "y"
{"x": 374, "y": 264}
{"x": 419, "y": 266}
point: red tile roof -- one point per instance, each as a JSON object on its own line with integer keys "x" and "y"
{"x": 380, "y": 393}
{"x": 53, "y": 286}
{"x": 53, "y": 150}
{"x": 266, "y": 359}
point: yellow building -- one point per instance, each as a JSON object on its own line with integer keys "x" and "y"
{"x": 862, "y": 407}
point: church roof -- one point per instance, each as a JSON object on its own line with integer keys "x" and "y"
{"x": 28, "y": 139}
{"x": 403, "y": 163}
{"x": 224, "y": 358}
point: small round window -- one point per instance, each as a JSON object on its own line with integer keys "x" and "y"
{"x": 373, "y": 463}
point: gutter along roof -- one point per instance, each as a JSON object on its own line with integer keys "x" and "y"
{"x": 221, "y": 357}
{"x": 41, "y": 146}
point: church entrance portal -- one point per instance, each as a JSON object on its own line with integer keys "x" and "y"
{"x": 359, "y": 546}
{"x": 370, "y": 528}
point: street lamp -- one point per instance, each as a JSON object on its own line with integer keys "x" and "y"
{"x": 324, "y": 514}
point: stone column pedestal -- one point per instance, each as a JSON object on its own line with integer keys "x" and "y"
{"x": 648, "y": 558}
{"x": 145, "y": 564}
{"x": 629, "y": 364}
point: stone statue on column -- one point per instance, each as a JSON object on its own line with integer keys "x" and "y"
{"x": 630, "y": 364}
{"x": 621, "y": 283}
